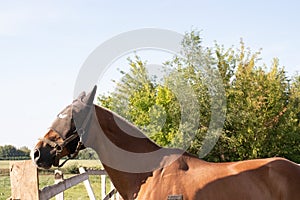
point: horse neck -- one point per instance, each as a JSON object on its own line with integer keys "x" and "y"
{"x": 122, "y": 133}
{"x": 115, "y": 140}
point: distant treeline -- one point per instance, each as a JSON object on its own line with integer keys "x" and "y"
{"x": 10, "y": 152}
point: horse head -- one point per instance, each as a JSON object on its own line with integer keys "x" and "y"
{"x": 64, "y": 135}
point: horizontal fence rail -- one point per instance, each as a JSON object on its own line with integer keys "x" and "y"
{"x": 24, "y": 183}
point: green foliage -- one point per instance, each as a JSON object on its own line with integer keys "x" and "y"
{"x": 142, "y": 102}
{"x": 5, "y": 192}
{"x": 87, "y": 154}
{"x": 262, "y": 105}
{"x": 72, "y": 168}
{"x": 9, "y": 152}
{"x": 256, "y": 101}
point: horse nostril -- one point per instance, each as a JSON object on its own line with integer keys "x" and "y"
{"x": 36, "y": 154}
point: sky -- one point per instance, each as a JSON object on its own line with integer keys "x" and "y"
{"x": 43, "y": 45}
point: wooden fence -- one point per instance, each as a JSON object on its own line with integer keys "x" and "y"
{"x": 25, "y": 185}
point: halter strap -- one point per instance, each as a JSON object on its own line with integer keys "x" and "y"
{"x": 59, "y": 147}
{"x": 79, "y": 145}
{"x": 51, "y": 143}
{"x": 63, "y": 144}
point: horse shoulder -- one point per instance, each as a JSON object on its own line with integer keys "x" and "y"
{"x": 176, "y": 178}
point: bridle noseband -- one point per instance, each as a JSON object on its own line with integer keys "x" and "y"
{"x": 58, "y": 147}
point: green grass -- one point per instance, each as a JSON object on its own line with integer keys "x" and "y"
{"x": 4, "y": 187}
{"x": 4, "y": 164}
{"x": 84, "y": 163}
{"x": 76, "y": 192}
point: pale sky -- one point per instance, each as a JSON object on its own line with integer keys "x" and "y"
{"x": 43, "y": 45}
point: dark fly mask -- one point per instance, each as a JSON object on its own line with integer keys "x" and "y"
{"x": 71, "y": 124}
{"x": 64, "y": 126}
{"x": 63, "y": 123}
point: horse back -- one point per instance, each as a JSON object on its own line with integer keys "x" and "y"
{"x": 273, "y": 178}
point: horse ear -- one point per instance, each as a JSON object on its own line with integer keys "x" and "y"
{"x": 81, "y": 95}
{"x": 89, "y": 98}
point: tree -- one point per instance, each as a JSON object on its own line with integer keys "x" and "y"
{"x": 288, "y": 125}
{"x": 10, "y": 152}
{"x": 167, "y": 113}
{"x": 255, "y": 97}
{"x": 144, "y": 103}
{"x": 24, "y": 151}
{"x": 261, "y": 104}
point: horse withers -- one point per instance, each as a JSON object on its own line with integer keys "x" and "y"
{"x": 172, "y": 173}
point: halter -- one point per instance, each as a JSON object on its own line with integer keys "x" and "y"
{"x": 58, "y": 147}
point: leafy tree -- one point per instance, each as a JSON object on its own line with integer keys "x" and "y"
{"x": 24, "y": 151}
{"x": 138, "y": 99}
{"x": 287, "y": 125}
{"x": 255, "y": 97}
{"x": 165, "y": 112}
{"x": 261, "y": 104}
{"x": 10, "y": 152}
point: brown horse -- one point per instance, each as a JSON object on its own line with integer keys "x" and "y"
{"x": 140, "y": 169}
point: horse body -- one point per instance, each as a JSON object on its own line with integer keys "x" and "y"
{"x": 254, "y": 179}
{"x": 172, "y": 171}
{"x": 271, "y": 178}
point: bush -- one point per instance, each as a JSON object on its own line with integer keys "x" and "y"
{"x": 72, "y": 168}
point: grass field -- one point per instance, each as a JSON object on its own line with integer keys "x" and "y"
{"x": 4, "y": 164}
{"x": 77, "y": 192}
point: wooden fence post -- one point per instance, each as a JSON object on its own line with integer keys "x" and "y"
{"x": 87, "y": 185}
{"x": 103, "y": 186}
{"x": 111, "y": 188}
{"x": 59, "y": 177}
{"x": 24, "y": 180}
{"x": 24, "y": 183}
